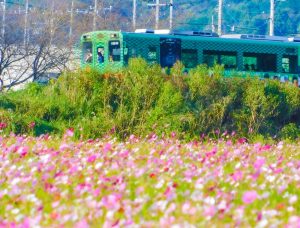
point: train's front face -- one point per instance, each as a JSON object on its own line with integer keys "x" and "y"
{"x": 103, "y": 50}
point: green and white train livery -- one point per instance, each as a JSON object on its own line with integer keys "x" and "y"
{"x": 254, "y": 55}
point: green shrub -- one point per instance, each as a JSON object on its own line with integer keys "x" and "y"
{"x": 142, "y": 99}
{"x": 290, "y": 131}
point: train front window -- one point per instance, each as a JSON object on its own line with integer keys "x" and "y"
{"x": 87, "y": 52}
{"x": 289, "y": 64}
{"x": 114, "y": 51}
{"x": 100, "y": 54}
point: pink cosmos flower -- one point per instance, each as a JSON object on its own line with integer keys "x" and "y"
{"x": 3, "y": 125}
{"x": 107, "y": 147}
{"x": 112, "y": 201}
{"x": 31, "y": 125}
{"x": 229, "y": 143}
{"x": 169, "y": 193}
{"x": 92, "y": 158}
{"x": 82, "y": 224}
{"x": 167, "y": 221}
{"x": 259, "y": 216}
{"x": 22, "y": 151}
{"x": 212, "y": 152}
{"x": 294, "y": 221}
{"x": 64, "y": 146}
{"x": 249, "y": 197}
{"x": 124, "y": 153}
{"x": 210, "y": 211}
{"x": 277, "y": 171}
{"x": 265, "y": 147}
{"x": 173, "y": 134}
{"x": 187, "y": 208}
{"x": 69, "y": 132}
{"x": 260, "y": 161}
{"x": 237, "y": 176}
{"x": 242, "y": 140}
{"x": 26, "y": 223}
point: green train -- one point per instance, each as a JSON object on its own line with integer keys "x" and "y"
{"x": 254, "y": 55}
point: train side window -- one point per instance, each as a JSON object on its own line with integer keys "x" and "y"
{"x": 87, "y": 52}
{"x": 268, "y": 62}
{"x": 259, "y": 62}
{"x": 229, "y": 61}
{"x": 226, "y": 58}
{"x": 189, "y": 58}
{"x": 152, "y": 55}
{"x": 210, "y": 59}
{"x": 250, "y": 63}
{"x": 289, "y": 64}
{"x": 114, "y": 51}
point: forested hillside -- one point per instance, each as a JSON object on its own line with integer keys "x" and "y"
{"x": 240, "y": 16}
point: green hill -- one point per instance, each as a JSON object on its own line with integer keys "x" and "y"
{"x": 239, "y": 16}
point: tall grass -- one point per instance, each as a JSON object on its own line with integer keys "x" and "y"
{"x": 143, "y": 99}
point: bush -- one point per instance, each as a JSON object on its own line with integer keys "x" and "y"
{"x": 142, "y": 99}
{"x": 290, "y": 131}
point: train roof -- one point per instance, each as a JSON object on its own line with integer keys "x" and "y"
{"x": 196, "y": 35}
{"x": 228, "y": 38}
{"x": 256, "y": 37}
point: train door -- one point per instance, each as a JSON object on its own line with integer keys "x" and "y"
{"x": 170, "y": 51}
{"x": 125, "y": 53}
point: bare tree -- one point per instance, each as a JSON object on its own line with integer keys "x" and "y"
{"x": 48, "y": 49}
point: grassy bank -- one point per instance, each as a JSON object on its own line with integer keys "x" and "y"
{"x": 141, "y": 100}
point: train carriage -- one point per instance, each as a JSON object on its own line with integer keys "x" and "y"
{"x": 254, "y": 55}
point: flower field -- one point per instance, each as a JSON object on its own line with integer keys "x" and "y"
{"x": 149, "y": 182}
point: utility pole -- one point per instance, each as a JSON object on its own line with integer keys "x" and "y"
{"x": 19, "y": 7}
{"x": 26, "y": 24}
{"x": 71, "y": 20}
{"x": 157, "y": 7}
{"x": 134, "y": 15}
{"x": 3, "y": 18}
{"x": 272, "y": 17}
{"x": 220, "y": 17}
{"x": 213, "y": 23}
{"x": 157, "y": 15}
{"x": 171, "y": 14}
{"x": 95, "y": 15}
{"x": 52, "y": 23}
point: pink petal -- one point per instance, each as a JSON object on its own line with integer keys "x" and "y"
{"x": 92, "y": 158}
{"x": 249, "y": 197}
{"x": 82, "y": 224}
{"x": 260, "y": 161}
{"x": 22, "y": 151}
